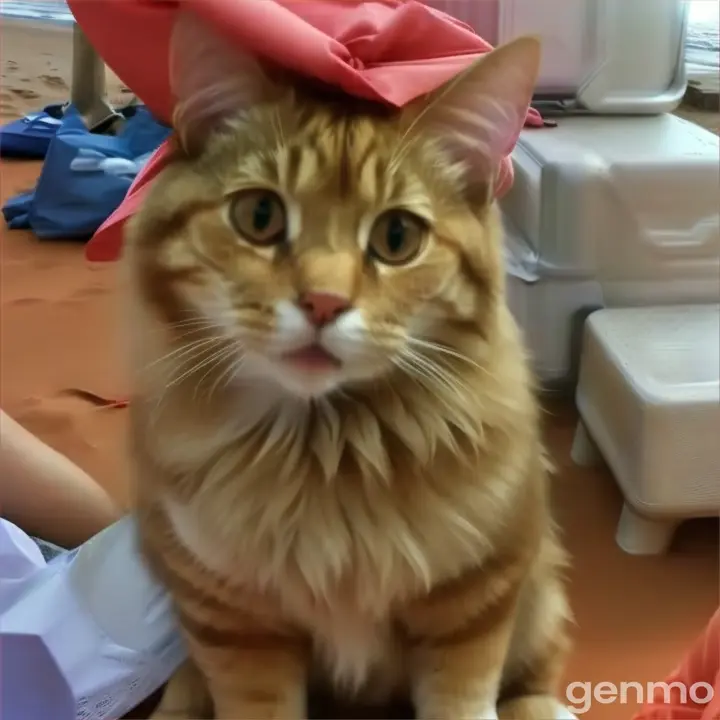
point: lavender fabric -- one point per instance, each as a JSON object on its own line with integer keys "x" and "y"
{"x": 87, "y": 635}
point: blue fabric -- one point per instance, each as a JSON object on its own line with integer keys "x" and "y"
{"x": 85, "y": 176}
{"x": 30, "y": 136}
{"x": 16, "y": 211}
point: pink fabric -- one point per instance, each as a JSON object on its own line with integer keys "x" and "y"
{"x": 483, "y": 16}
{"x": 389, "y": 51}
{"x": 693, "y": 688}
{"x": 106, "y": 244}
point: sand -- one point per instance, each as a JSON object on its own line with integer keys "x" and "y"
{"x": 36, "y": 62}
{"x": 59, "y": 331}
{"x": 39, "y": 359}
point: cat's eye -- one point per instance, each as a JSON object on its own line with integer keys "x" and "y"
{"x": 259, "y": 216}
{"x": 397, "y": 237}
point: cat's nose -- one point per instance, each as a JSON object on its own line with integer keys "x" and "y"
{"x": 322, "y": 308}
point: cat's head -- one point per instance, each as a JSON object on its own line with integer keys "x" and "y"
{"x": 320, "y": 240}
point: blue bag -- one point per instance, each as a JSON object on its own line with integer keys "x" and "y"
{"x": 30, "y": 136}
{"x": 16, "y": 210}
{"x": 85, "y": 176}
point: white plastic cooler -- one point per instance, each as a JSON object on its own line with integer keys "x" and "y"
{"x": 599, "y": 56}
{"x": 609, "y": 212}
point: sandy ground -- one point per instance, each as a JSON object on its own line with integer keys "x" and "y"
{"x": 36, "y": 62}
{"x": 59, "y": 332}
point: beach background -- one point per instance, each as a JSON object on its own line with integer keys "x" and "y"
{"x": 36, "y": 59}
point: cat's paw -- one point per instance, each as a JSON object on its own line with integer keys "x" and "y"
{"x": 534, "y": 707}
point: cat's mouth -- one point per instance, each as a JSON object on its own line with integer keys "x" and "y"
{"x": 312, "y": 358}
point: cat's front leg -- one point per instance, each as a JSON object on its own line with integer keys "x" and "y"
{"x": 251, "y": 676}
{"x": 185, "y": 696}
{"x": 458, "y": 641}
{"x": 460, "y": 681}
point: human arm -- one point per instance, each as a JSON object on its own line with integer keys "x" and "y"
{"x": 45, "y": 493}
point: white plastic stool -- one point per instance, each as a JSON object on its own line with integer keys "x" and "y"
{"x": 649, "y": 403}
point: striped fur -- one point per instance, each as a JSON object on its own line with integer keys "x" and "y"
{"x": 382, "y": 528}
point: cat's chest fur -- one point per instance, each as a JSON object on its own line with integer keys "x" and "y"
{"x": 346, "y": 610}
{"x": 336, "y": 559}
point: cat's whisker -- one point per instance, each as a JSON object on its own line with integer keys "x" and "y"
{"x": 418, "y": 373}
{"x": 182, "y": 351}
{"x": 223, "y": 380}
{"x": 433, "y": 370}
{"x": 196, "y": 326}
{"x": 195, "y": 332}
{"x": 191, "y": 326}
{"x": 214, "y": 363}
{"x": 424, "y": 377}
{"x": 427, "y": 345}
{"x": 193, "y": 320}
{"x": 440, "y": 375}
{"x": 198, "y": 365}
{"x": 191, "y": 355}
{"x": 445, "y": 350}
{"x": 408, "y": 370}
{"x": 190, "y": 358}
{"x": 203, "y": 329}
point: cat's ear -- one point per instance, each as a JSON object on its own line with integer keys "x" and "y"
{"x": 478, "y": 114}
{"x": 211, "y": 80}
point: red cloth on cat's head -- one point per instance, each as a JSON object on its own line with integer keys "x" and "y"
{"x": 389, "y": 51}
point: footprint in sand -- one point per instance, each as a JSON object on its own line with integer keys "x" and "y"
{"x": 26, "y": 301}
{"x": 11, "y": 65}
{"x": 54, "y": 81}
{"x": 82, "y": 294}
{"x": 24, "y": 93}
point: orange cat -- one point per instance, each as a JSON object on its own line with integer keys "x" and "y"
{"x": 340, "y": 476}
